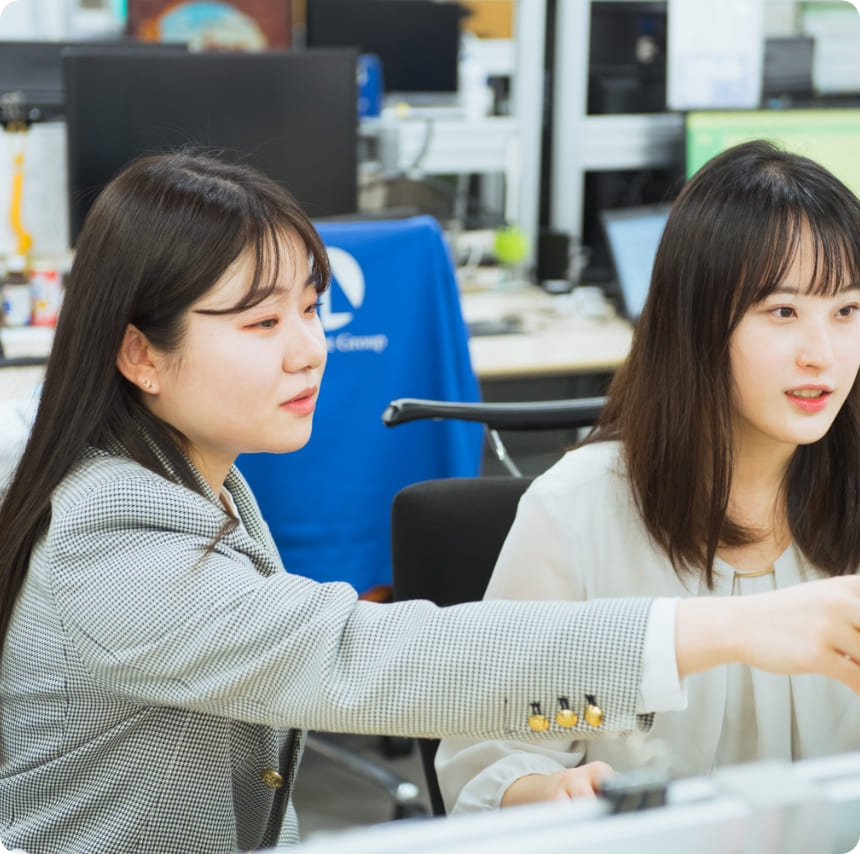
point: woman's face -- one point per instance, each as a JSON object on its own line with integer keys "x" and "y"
{"x": 794, "y": 359}
{"x": 246, "y": 382}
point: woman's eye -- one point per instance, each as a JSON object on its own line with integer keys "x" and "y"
{"x": 783, "y": 311}
{"x": 268, "y": 323}
{"x": 314, "y": 307}
{"x": 848, "y": 310}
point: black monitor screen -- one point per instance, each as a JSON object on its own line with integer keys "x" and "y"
{"x": 291, "y": 114}
{"x": 35, "y": 69}
{"x": 417, "y": 41}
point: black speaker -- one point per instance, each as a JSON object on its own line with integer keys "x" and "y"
{"x": 553, "y": 255}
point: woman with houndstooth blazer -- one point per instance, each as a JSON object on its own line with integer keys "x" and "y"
{"x": 158, "y": 663}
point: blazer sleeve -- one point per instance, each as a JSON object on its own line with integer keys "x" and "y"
{"x": 534, "y": 562}
{"x": 156, "y": 614}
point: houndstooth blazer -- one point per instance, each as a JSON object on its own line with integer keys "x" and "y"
{"x": 153, "y": 688}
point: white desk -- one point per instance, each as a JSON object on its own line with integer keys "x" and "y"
{"x": 18, "y": 383}
{"x": 556, "y": 339}
{"x": 758, "y": 808}
{"x": 19, "y": 391}
{"x": 26, "y": 340}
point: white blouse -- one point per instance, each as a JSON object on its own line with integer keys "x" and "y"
{"x": 578, "y": 535}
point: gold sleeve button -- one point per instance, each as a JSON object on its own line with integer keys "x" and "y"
{"x": 565, "y": 717}
{"x": 537, "y": 720}
{"x": 593, "y": 713}
{"x": 272, "y": 778}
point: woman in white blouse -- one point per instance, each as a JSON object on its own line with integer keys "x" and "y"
{"x": 726, "y": 462}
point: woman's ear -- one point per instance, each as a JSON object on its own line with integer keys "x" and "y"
{"x": 135, "y": 361}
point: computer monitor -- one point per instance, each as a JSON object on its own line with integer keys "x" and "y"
{"x": 633, "y": 235}
{"x": 35, "y": 69}
{"x": 292, "y": 114}
{"x": 829, "y": 136}
{"x": 788, "y": 67}
{"x": 417, "y": 41}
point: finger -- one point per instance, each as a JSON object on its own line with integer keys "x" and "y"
{"x": 585, "y": 780}
{"x": 575, "y": 783}
{"x": 845, "y": 668}
{"x": 580, "y": 788}
{"x": 848, "y": 644}
{"x": 601, "y": 770}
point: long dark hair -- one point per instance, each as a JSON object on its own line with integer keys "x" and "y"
{"x": 158, "y": 237}
{"x": 730, "y": 238}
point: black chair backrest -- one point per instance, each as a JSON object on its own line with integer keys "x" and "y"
{"x": 445, "y": 537}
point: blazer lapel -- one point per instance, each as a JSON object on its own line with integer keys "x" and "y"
{"x": 254, "y": 534}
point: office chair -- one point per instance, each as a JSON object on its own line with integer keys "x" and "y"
{"x": 447, "y": 533}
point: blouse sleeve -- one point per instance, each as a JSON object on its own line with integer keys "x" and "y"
{"x": 474, "y": 775}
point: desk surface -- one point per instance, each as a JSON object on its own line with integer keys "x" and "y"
{"x": 20, "y": 383}
{"x": 557, "y": 337}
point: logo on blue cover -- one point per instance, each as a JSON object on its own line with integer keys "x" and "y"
{"x": 347, "y": 290}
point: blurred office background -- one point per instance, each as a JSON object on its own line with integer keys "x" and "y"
{"x": 545, "y": 136}
{"x": 533, "y": 115}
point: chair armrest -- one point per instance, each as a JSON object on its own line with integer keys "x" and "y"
{"x": 531, "y": 415}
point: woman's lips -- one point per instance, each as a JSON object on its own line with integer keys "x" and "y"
{"x": 809, "y": 398}
{"x": 303, "y": 403}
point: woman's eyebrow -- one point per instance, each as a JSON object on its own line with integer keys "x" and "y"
{"x": 784, "y": 290}
{"x": 849, "y": 286}
{"x": 276, "y": 291}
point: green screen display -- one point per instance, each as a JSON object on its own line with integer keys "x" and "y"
{"x": 829, "y": 136}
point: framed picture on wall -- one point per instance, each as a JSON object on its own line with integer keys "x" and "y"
{"x": 248, "y": 25}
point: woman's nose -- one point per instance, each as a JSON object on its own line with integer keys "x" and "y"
{"x": 306, "y": 346}
{"x": 816, "y": 347}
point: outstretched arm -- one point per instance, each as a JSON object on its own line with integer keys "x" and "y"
{"x": 808, "y": 628}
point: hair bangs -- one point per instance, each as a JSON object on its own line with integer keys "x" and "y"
{"x": 270, "y": 248}
{"x": 835, "y": 261}
{"x": 766, "y": 269}
{"x": 273, "y": 253}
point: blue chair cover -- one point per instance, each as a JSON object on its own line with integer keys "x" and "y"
{"x": 394, "y": 328}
